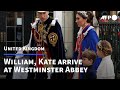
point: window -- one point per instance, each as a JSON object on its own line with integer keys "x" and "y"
{"x": 1, "y": 36}
{"x": 14, "y": 29}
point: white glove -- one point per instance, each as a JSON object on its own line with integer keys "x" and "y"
{"x": 33, "y": 25}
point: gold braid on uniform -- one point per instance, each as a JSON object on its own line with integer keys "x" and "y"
{"x": 40, "y": 40}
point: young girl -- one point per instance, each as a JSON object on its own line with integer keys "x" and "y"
{"x": 106, "y": 68}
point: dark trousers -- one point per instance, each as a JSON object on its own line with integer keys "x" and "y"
{"x": 59, "y": 76}
{"x": 36, "y": 75}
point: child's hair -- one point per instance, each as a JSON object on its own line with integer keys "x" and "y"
{"x": 105, "y": 47}
{"x": 90, "y": 54}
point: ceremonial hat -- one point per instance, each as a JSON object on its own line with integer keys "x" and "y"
{"x": 41, "y": 11}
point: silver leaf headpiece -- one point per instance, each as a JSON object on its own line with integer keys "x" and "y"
{"x": 84, "y": 13}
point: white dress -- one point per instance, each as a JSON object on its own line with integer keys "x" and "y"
{"x": 106, "y": 69}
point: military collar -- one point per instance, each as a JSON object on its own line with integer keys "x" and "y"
{"x": 48, "y": 21}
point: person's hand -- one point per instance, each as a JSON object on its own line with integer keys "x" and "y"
{"x": 36, "y": 20}
{"x": 33, "y": 25}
